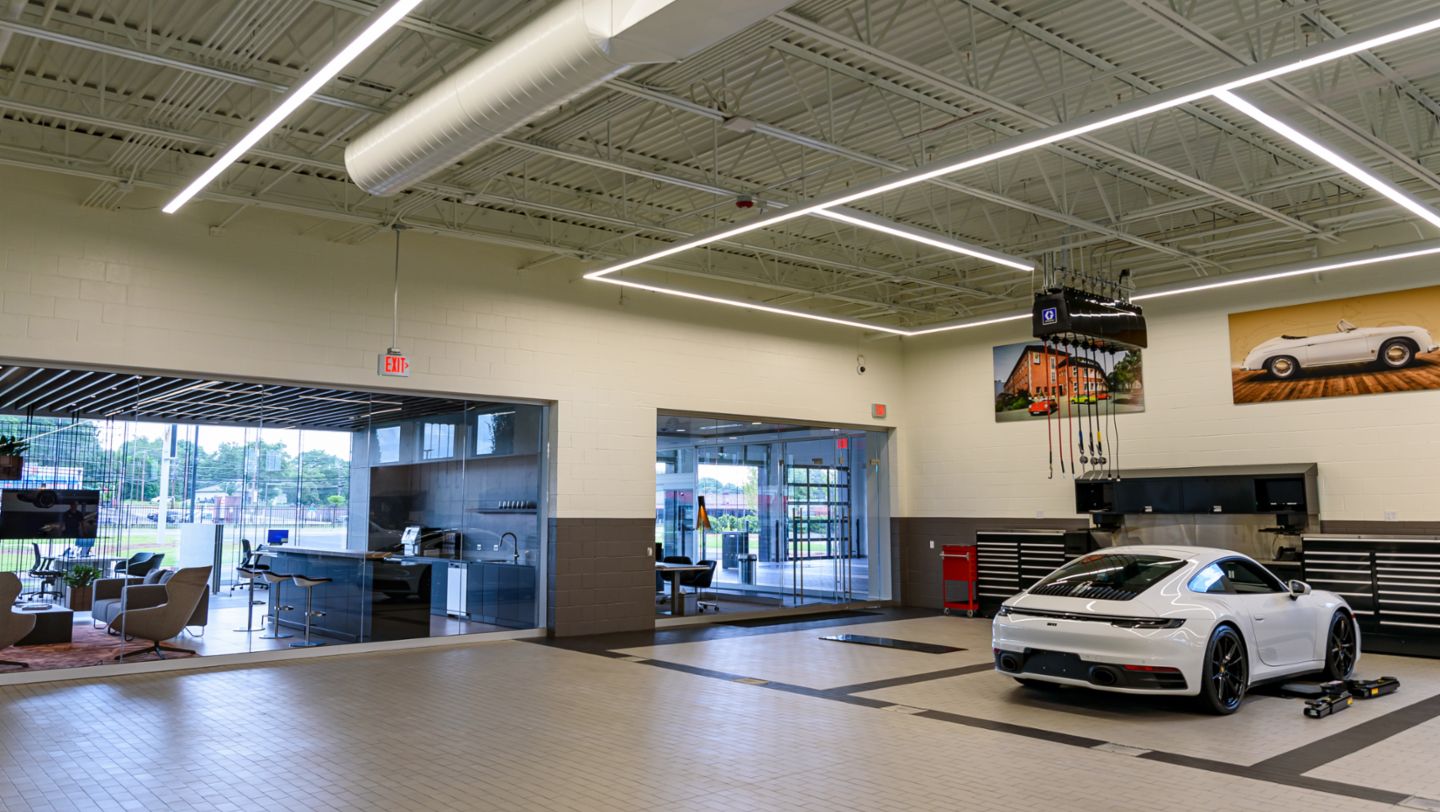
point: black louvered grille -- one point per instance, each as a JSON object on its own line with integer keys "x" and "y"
{"x": 1085, "y": 590}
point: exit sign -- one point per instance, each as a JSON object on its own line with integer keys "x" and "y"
{"x": 877, "y": 411}
{"x": 394, "y": 365}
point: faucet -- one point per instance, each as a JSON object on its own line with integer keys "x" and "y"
{"x": 516, "y": 546}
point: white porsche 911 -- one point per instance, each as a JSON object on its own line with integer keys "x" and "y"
{"x": 1393, "y": 347}
{"x": 1187, "y": 621}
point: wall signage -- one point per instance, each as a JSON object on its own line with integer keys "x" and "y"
{"x": 393, "y": 364}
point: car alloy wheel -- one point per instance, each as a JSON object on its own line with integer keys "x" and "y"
{"x": 1340, "y": 648}
{"x": 1283, "y": 367}
{"x": 1227, "y": 672}
{"x": 1396, "y": 354}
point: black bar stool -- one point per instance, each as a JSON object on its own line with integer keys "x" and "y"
{"x": 275, "y": 579}
{"x": 308, "y": 584}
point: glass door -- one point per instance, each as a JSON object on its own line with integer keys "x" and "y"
{"x": 796, "y": 513}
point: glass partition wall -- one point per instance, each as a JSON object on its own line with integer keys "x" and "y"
{"x": 796, "y": 514}
{"x": 226, "y": 516}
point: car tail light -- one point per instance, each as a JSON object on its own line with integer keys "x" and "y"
{"x": 1148, "y": 623}
{"x": 1152, "y": 669}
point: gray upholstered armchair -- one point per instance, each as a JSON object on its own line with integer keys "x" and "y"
{"x": 184, "y": 591}
{"x": 115, "y": 594}
{"x": 13, "y": 625}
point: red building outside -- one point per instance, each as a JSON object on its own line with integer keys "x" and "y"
{"x": 1049, "y": 372}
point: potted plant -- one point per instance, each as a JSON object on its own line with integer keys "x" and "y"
{"x": 12, "y": 456}
{"x": 80, "y": 587}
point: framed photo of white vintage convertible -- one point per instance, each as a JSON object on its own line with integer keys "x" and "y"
{"x": 1362, "y": 345}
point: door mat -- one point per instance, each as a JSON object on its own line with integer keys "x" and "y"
{"x": 785, "y": 620}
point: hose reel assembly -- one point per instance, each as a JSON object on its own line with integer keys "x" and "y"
{"x": 1084, "y": 321}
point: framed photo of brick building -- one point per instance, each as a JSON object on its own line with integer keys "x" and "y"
{"x": 1033, "y": 381}
{"x": 1359, "y": 345}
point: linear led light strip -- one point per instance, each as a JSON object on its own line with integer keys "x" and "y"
{"x": 1404, "y": 28}
{"x": 1333, "y": 158}
{"x": 1413, "y": 250}
{"x": 924, "y": 237}
{"x": 382, "y": 22}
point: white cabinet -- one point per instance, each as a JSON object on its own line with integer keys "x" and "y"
{"x": 456, "y": 580}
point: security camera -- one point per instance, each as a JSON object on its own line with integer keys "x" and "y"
{"x": 859, "y": 365}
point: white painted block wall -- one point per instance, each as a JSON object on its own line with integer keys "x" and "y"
{"x": 1377, "y": 453}
{"x": 265, "y": 300}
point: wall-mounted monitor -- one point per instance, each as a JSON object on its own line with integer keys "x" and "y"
{"x": 48, "y": 513}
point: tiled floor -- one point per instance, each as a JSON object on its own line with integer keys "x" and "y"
{"x": 606, "y": 724}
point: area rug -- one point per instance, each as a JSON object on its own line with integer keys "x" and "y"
{"x": 89, "y": 646}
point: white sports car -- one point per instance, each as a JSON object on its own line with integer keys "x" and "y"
{"x": 1188, "y": 621}
{"x": 1393, "y": 347}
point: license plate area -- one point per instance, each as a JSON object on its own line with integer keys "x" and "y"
{"x": 1055, "y": 664}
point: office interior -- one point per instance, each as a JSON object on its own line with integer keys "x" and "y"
{"x": 795, "y": 515}
{"x": 294, "y": 516}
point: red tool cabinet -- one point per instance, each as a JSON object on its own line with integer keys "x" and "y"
{"x": 959, "y": 573}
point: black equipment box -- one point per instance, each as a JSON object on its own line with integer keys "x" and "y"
{"x": 1327, "y": 705}
{"x": 1068, "y": 311}
{"x": 1371, "y": 688}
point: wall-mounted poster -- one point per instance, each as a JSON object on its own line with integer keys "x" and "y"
{"x": 1362, "y": 345}
{"x": 1032, "y": 381}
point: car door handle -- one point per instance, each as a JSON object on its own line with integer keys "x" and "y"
{"x": 1259, "y": 619}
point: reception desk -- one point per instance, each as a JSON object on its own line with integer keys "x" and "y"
{"x": 370, "y": 596}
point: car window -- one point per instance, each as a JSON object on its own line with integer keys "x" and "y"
{"x": 1211, "y": 579}
{"x": 1107, "y": 576}
{"x": 1248, "y": 579}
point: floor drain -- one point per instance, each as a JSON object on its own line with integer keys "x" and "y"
{"x": 752, "y": 681}
{"x": 1120, "y": 749}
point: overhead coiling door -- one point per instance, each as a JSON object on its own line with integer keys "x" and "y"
{"x": 1392, "y": 584}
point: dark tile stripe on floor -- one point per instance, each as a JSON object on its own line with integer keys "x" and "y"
{"x": 1317, "y": 753}
{"x": 1286, "y": 769}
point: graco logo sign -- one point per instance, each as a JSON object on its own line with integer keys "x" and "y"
{"x": 1049, "y": 315}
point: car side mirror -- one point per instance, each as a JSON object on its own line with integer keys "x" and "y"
{"x": 1298, "y": 588}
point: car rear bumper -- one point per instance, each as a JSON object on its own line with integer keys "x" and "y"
{"x": 1094, "y": 653}
{"x": 1072, "y": 669}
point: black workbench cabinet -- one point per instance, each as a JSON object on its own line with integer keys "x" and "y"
{"x": 1392, "y": 583}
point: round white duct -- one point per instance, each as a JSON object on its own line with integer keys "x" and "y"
{"x": 566, "y": 50}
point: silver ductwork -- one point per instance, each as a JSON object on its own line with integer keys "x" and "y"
{"x": 568, "y": 49}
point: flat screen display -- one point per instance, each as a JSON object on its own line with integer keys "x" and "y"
{"x": 48, "y": 513}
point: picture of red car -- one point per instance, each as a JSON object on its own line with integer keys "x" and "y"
{"x": 1044, "y": 407}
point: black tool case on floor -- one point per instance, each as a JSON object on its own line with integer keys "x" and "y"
{"x": 1391, "y": 582}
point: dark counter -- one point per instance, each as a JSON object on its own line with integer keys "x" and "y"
{"x": 370, "y": 596}
{"x": 498, "y": 591}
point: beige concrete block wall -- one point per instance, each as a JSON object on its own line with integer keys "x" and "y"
{"x": 1377, "y": 453}
{"x": 272, "y": 299}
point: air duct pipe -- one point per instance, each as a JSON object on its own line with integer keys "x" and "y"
{"x": 568, "y": 49}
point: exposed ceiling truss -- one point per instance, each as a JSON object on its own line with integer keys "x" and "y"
{"x": 825, "y": 96}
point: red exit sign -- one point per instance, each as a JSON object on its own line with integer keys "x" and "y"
{"x": 394, "y": 365}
